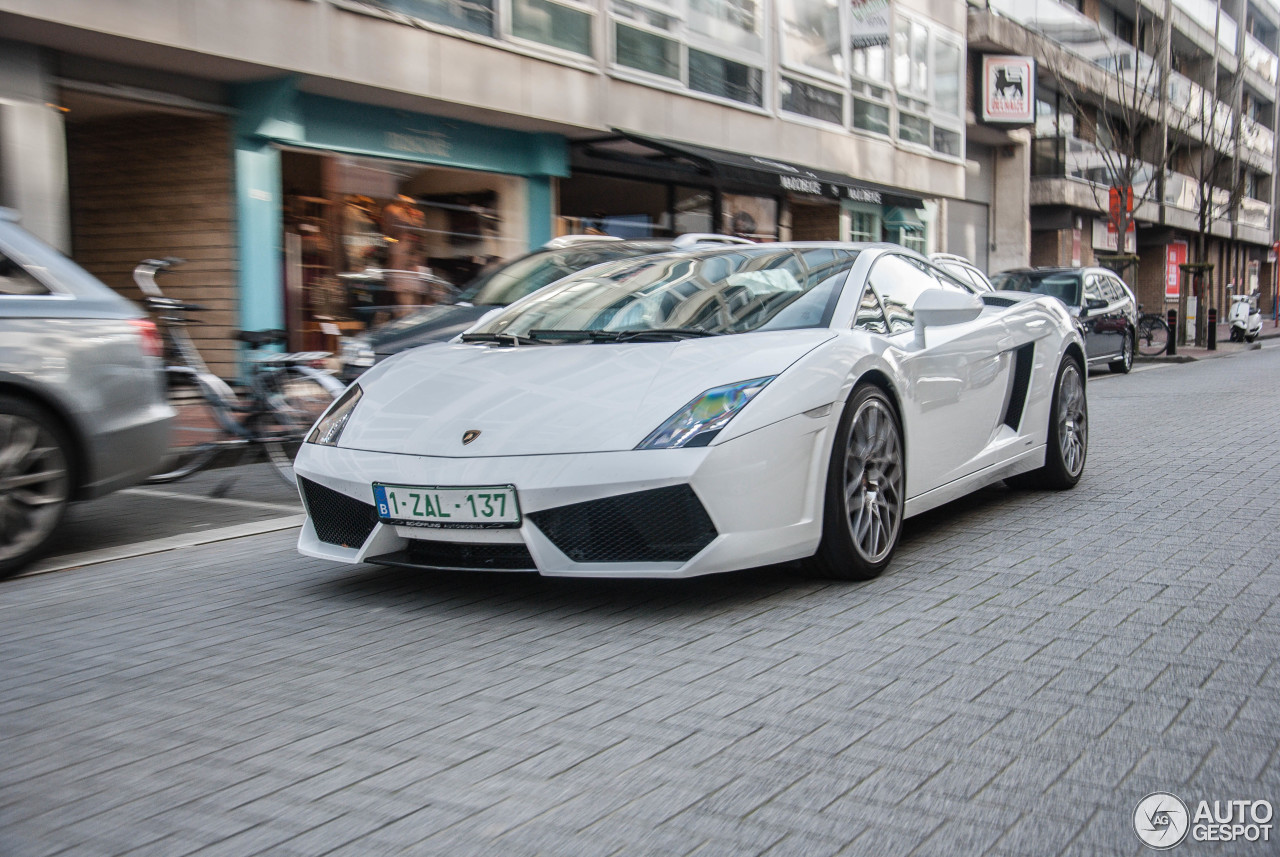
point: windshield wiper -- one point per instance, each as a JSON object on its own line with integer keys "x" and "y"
{"x": 653, "y": 334}
{"x": 502, "y": 338}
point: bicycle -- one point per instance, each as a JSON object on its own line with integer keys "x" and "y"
{"x": 284, "y": 395}
{"x": 1152, "y": 334}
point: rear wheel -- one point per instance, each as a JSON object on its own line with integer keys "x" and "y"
{"x": 1153, "y": 336}
{"x": 196, "y": 434}
{"x": 1068, "y": 443}
{"x": 296, "y": 400}
{"x": 866, "y": 487}
{"x": 1125, "y": 363}
{"x": 35, "y": 481}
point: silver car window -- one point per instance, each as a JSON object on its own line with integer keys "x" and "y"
{"x": 15, "y": 280}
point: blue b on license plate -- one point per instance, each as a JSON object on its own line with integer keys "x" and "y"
{"x": 461, "y": 508}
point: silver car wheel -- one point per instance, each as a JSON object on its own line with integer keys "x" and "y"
{"x": 1073, "y": 420}
{"x": 873, "y": 481}
{"x": 34, "y": 486}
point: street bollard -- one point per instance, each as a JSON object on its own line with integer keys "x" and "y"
{"x": 1213, "y": 328}
{"x": 1172, "y": 348}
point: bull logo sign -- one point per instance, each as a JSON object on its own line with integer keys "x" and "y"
{"x": 1008, "y": 90}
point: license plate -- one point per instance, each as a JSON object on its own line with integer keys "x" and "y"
{"x": 460, "y": 508}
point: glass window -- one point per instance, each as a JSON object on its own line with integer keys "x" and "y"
{"x": 14, "y": 280}
{"x": 863, "y": 226}
{"x": 871, "y": 116}
{"x": 870, "y": 316}
{"x": 754, "y": 217}
{"x": 899, "y": 285}
{"x": 1063, "y": 285}
{"x": 728, "y": 79}
{"x": 914, "y": 129}
{"x": 947, "y": 61}
{"x": 552, "y": 24}
{"x": 811, "y": 35}
{"x": 812, "y": 101}
{"x": 722, "y": 293}
{"x": 729, "y": 22}
{"x": 647, "y": 51}
{"x": 693, "y": 210}
{"x": 474, "y": 16}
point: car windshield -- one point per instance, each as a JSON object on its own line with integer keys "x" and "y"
{"x": 1063, "y": 285}
{"x": 678, "y": 296}
{"x": 508, "y": 282}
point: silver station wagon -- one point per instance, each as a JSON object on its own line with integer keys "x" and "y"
{"x": 83, "y": 410}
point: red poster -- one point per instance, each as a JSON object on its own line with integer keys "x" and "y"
{"x": 1175, "y": 254}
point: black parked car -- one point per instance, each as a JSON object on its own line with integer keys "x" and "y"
{"x": 503, "y": 284}
{"x": 1100, "y": 300}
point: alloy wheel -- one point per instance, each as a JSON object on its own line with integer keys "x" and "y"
{"x": 873, "y": 481}
{"x": 34, "y": 486}
{"x": 1073, "y": 421}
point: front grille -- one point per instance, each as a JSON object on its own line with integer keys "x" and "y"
{"x": 661, "y": 525}
{"x": 460, "y": 556}
{"x": 338, "y": 519}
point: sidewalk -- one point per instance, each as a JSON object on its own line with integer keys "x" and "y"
{"x": 1188, "y": 353}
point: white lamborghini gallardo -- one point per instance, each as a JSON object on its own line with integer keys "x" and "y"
{"x": 697, "y": 412}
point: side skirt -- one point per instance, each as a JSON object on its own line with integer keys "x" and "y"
{"x": 1032, "y": 459}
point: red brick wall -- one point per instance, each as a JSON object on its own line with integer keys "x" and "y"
{"x": 150, "y": 184}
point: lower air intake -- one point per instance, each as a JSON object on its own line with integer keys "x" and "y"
{"x": 338, "y": 519}
{"x": 661, "y": 525}
{"x": 460, "y": 556}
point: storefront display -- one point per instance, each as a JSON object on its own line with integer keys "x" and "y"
{"x": 367, "y": 239}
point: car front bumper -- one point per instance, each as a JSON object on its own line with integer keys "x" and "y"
{"x": 761, "y": 494}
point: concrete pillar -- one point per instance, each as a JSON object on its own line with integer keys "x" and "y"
{"x": 33, "y": 147}
{"x": 1011, "y": 204}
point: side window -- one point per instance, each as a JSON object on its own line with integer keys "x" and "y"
{"x": 1093, "y": 288}
{"x": 1119, "y": 289}
{"x": 899, "y": 282}
{"x": 870, "y": 316}
{"x": 14, "y": 279}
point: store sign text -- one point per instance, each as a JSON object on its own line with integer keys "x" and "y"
{"x": 433, "y": 144}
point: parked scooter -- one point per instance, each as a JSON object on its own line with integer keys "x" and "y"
{"x": 1245, "y": 319}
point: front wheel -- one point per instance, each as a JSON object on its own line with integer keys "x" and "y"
{"x": 866, "y": 488}
{"x": 1125, "y": 363}
{"x": 35, "y": 481}
{"x": 1068, "y": 443}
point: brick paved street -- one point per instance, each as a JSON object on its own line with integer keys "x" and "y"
{"x": 1030, "y": 667}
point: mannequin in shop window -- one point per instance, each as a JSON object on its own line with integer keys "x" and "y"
{"x": 405, "y": 227}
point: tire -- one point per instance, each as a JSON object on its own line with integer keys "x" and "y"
{"x": 196, "y": 435}
{"x": 296, "y": 400}
{"x": 1068, "y": 442}
{"x": 1153, "y": 337}
{"x": 1125, "y": 364}
{"x": 35, "y": 481}
{"x": 865, "y": 492}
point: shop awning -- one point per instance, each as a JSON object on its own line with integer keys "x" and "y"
{"x": 736, "y": 168}
{"x": 903, "y": 218}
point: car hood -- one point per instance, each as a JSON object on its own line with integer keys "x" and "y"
{"x": 548, "y": 399}
{"x": 430, "y": 324}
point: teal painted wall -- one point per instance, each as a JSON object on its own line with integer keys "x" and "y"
{"x": 274, "y": 112}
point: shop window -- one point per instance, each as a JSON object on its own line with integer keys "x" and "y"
{"x": 864, "y": 226}
{"x": 753, "y": 217}
{"x": 560, "y": 26}
{"x": 692, "y": 210}
{"x": 812, "y": 101}
{"x": 474, "y": 16}
{"x": 728, "y": 79}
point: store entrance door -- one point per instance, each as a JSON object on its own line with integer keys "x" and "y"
{"x": 815, "y": 222}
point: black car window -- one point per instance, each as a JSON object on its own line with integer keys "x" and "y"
{"x": 1063, "y": 285}
{"x": 899, "y": 281}
{"x": 14, "y": 280}
{"x": 1118, "y": 289}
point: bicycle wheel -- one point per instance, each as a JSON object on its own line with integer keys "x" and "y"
{"x": 196, "y": 435}
{"x": 1153, "y": 336}
{"x": 295, "y": 401}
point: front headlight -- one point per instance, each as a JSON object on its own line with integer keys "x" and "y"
{"x": 330, "y": 426}
{"x": 697, "y": 423}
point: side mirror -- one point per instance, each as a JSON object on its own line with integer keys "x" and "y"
{"x": 940, "y": 307}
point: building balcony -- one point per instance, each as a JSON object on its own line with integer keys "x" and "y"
{"x": 1259, "y": 57}
{"x": 1203, "y": 13}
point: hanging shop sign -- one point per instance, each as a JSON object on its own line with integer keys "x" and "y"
{"x": 1008, "y": 90}
{"x": 1175, "y": 254}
